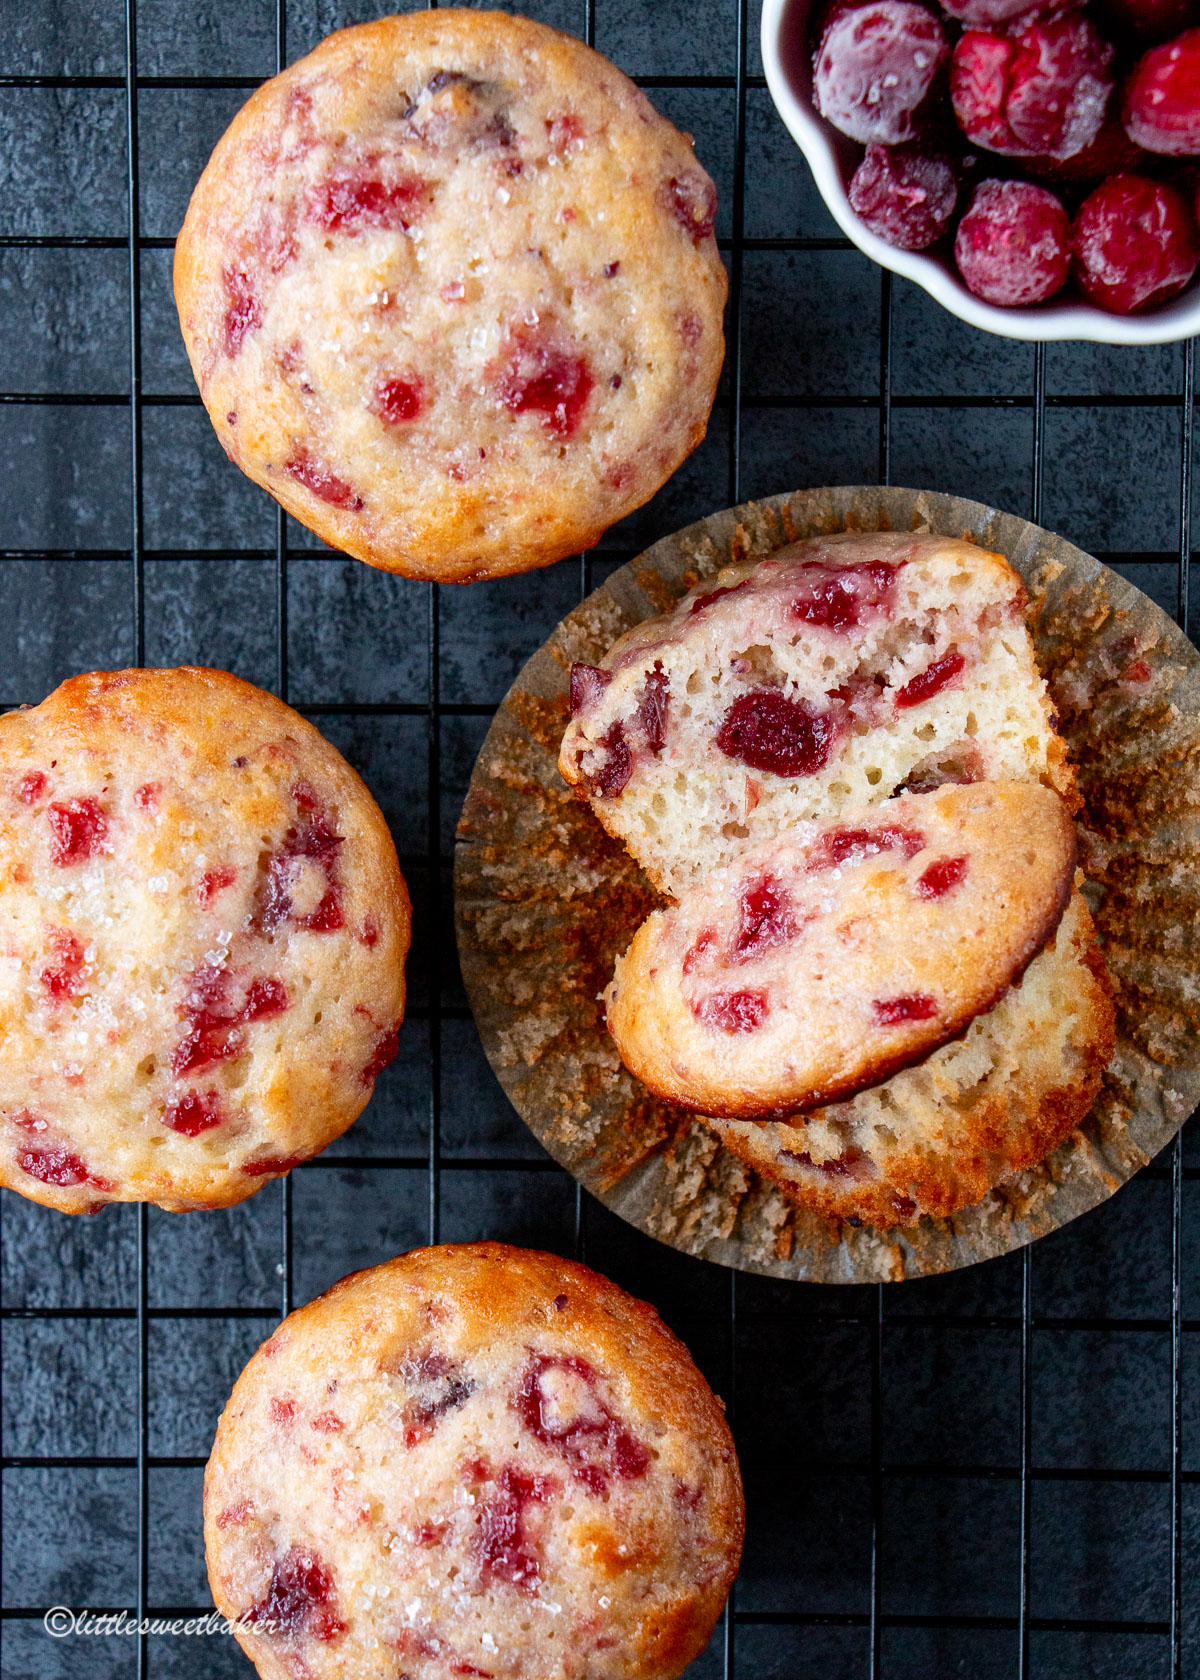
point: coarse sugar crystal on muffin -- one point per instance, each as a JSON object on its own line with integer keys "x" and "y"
{"x": 835, "y": 672}
{"x": 203, "y": 928}
{"x": 473, "y": 1460}
{"x": 939, "y": 1136}
{"x": 451, "y": 293}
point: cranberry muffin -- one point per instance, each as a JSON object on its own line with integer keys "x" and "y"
{"x": 836, "y": 672}
{"x": 203, "y": 928}
{"x": 451, "y": 293}
{"x": 472, "y": 1460}
{"x": 823, "y": 962}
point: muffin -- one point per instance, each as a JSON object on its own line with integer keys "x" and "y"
{"x": 836, "y": 672}
{"x": 472, "y": 1460}
{"x": 823, "y": 962}
{"x": 204, "y": 933}
{"x": 450, "y": 291}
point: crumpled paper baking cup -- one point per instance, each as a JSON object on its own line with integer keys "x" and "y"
{"x": 545, "y": 901}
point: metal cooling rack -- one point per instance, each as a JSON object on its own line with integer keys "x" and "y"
{"x": 878, "y": 1608}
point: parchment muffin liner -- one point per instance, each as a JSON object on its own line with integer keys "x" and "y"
{"x": 545, "y": 901}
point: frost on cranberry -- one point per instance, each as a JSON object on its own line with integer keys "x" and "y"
{"x": 942, "y": 877}
{"x": 1013, "y": 246}
{"x": 300, "y": 1600}
{"x": 606, "y": 775}
{"x": 558, "y": 1401}
{"x": 651, "y": 714}
{"x": 987, "y": 14}
{"x": 932, "y": 680}
{"x": 539, "y": 375}
{"x": 840, "y": 846}
{"x": 766, "y": 920}
{"x": 912, "y": 1006}
{"x": 63, "y": 974}
{"x": 588, "y": 683}
{"x": 397, "y": 401}
{"x": 502, "y": 1544}
{"x": 767, "y": 731}
{"x": 194, "y": 1112}
{"x": 731, "y": 1012}
{"x": 218, "y": 1003}
{"x": 843, "y": 597}
{"x": 1042, "y": 91}
{"x": 1135, "y": 244}
{"x": 32, "y": 787}
{"x": 875, "y": 68}
{"x": 316, "y": 475}
{"x": 905, "y": 194}
{"x": 1162, "y": 98}
{"x": 78, "y": 831}
{"x": 692, "y": 200}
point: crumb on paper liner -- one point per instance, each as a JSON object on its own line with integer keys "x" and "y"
{"x": 545, "y": 901}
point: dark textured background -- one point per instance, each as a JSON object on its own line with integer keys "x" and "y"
{"x": 880, "y": 1429}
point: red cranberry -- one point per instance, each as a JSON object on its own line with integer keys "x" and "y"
{"x": 78, "y": 830}
{"x": 62, "y": 976}
{"x": 732, "y": 1012}
{"x": 271, "y": 1166}
{"x": 913, "y": 1006}
{"x": 704, "y": 942}
{"x": 942, "y": 877}
{"x": 540, "y": 377}
{"x": 932, "y": 680}
{"x": 1135, "y": 244}
{"x": 651, "y": 714}
{"x": 1162, "y": 98}
{"x": 588, "y": 683}
{"x": 328, "y": 1423}
{"x": 987, "y": 14}
{"x": 703, "y": 602}
{"x": 904, "y": 194}
{"x": 439, "y": 1386}
{"x": 765, "y": 920}
{"x": 607, "y": 776}
{"x": 846, "y": 1165}
{"x": 214, "y": 881}
{"x": 1043, "y": 91}
{"x": 838, "y": 846}
{"x": 282, "y": 1410}
{"x": 692, "y": 200}
{"x": 1110, "y": 153}
{"x": 193, "y": 1113}
{"x": 767, "y": 731}
{"x": 300, "y": 1599}
{"x": 398, "y": 400}
{"x": 501, "y": 1545}
{"x": 32, "y": 787}
{"x": 386, "y": 1050}
{"x": 351, "y": 203}
{"x": 584, "y": 1429}
{"x": 1013, "y": 247}
{"x": 218, "y": 1003}
{"x": 1149, "y": 20}
{"x": 243, "y": 312}
{"x": 306, "y": 469}
{"x": 843, "y": 597}
{"x": 875, "y": 67}
{"x": 56, "y": 1164}
{"x": 313, "y": 838}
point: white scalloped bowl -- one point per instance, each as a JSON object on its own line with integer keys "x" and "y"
{"x": 832, "y": 158}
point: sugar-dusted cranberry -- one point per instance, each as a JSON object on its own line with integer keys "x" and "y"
{"x": 217, "y": 1004}
{"x": 193, "y": 1113}
{"x": 839, "y": 846}
{"x": 558, "y": 1401}
{"x": 243, "y": 309}
{"x": 312, "y": 839}
{"x": 387, "y": 1047}
{"x": 317, "y": 476}
{"x": 270, "y": 1166}
{"x": 438, "y": 1386}
{"x": 932, "y": 680}
{"x": 651, "y": 714}
{"x": 328, "y": 1423}
{"x": 1162, "y": 98}
{"x": 905, "y": 194}
{"x": 235, "y": 1514}
{"x": 32, "y": 787}
{"x": 843, "y": 597}
{"x": 502, "y": 1545}
{"x": 692, "y": 200}
{"x": 78, "y": 831}
{"x": 767, "y": 731}
{"x": 398, "y": 400}
{"x": 564, "y": 131}
{"x": 732, "y": 1012}
{"x": 63, "y": 974}
{"x": 214, "y": 881}
{"x": 942, "y": 877}
{"x": 607, "y": 776}
{"x": 358, "y": 199}
{"x": 703, "y": 602}
{"x": 541, "y": 375}
{"x": 766, "y": 919}
{"x": 282, "y": 1409}
{"x": 588, "y": 683}
{"x": 705, "y": 941}
{"x": 911, "y": 1006}
{"x": 54, "y": 1163}
{"x": 1013, "y": 246}
{"x": 301, "y": 1599}
{"x": 1135, "y": 244}
{"x": 875, "y": 68}
{"x": 1041, "y": 91}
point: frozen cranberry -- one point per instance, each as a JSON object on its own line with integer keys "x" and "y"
{"x": 354, "y": 201}
{"x": 904, "y": 194}
{"x": 839, "y": 846}
{"x": 932, "y": 680}
{"x": 1040, "y": 92}
{"x": 193, "y": 1113}
{"x": 732, "y": 1012}
{"x": 588, "y": 683}
{"x": 502, "y": 1547}
{"x": 386, "y": 1050}
{"x": 63, "y": 974}
{"x": 1135, "y": 244}
{"x": 1012, "y": 247}
{"x": 767, "y": 731}
{"x": 1148, "y": 20}
{"x": 398, "y": 400}
{"x": 214, "y": 881}
{"x": 558, "y": 1402}
{"x": 78, "y": 830}
{"x": 651, "y": 714}
{"x": 218, "y": 1003}
{"x": 692, "y": 200}
{"x": 765, "y": 920}
{"x": 912, "y": 1006}
{"x": 942, "y": 877}
{"x": 54, "y": 1163}
{"x": 875, "y": 68}
{"x": 1162, "y": 98}
{"x": 32, "y": 787}
{"x": 987, "y": 14}
{"x": 539, "y": 376}
{"x": 300, "y": 1599}
{"x": 607, "y": 776}
{"x": 703, "y": 602}
{"x": 1110, "y": 153}
{"x": 243, "y": 312}
{"x": 324, "y": 483}
{"x": 843, "y": 597}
